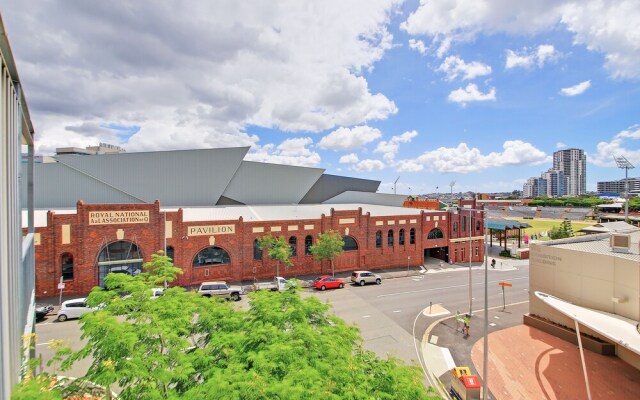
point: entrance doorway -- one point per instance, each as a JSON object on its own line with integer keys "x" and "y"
{"x": 436, "y": 254}
{"x": 121, "y": 257}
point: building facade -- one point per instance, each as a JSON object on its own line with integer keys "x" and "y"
{"x": 534, "y": 187}
{"x": 16, "y": 251}
{"x": 554, "y": 182}
{"x": 573, "y": 163}
{"x": 79, "y": 247}
{"x": 619, "y": 186}
{"x": 588, "y": 272}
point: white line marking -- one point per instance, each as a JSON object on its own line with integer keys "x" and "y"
{"x": 397, "y": 311}
{"x": 41, "y": 344}
{"x": 366, "y": 316}
{"x": 492, "y": 324}
{"x": 442, "y": 288}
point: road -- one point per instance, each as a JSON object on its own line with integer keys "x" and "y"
{"x": 389, "y": 315}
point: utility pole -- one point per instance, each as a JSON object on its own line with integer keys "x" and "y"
{"x": 625, "y": 164}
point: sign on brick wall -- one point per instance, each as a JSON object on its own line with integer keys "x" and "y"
{"x": 211, "y": 230}
{"x": 118, "y": 217}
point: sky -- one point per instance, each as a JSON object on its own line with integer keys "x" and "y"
{"x": 476, "y": 92}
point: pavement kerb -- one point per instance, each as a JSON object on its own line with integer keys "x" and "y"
{"x": 425, "y": 337}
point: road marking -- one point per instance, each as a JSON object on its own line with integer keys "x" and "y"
{"x": 434, "y": 339}
{"x": 397, "y": 311}
{"x": 492, "y": 324}
{"x": 442, "y": 288}
{"x": 496, "y": 317}
{"x": 366, "y": 316}
{"x": 41, "y": 344}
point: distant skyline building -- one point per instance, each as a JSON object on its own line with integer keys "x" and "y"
{"x": 573, "y": 163}
{"x": 554, "y": 181}
{"x": 618, "y": 186}
{"x": 534, "y": 187}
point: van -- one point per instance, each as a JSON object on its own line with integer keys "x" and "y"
{"x": 73, "y": 309}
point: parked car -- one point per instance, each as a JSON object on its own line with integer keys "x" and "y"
{"x": 73, "y": 309}
{"x": 42, "y": 310}
{"x": 362, "y": 277}
{"x": 328, "y": 282}
{"x": 278, "y": 284}
{"x": 220, "y": 289}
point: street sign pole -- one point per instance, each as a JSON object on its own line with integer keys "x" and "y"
{"x": 504, "y": 302}
{"x": 61, "y": 287}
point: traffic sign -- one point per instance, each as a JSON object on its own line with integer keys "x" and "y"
{"x": 503, "y": 284}
{"x": 61, "y": 285}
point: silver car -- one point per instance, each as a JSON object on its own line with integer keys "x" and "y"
{"x": 362, "y": 277}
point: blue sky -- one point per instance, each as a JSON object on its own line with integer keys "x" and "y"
{"x": 481, "y": 93}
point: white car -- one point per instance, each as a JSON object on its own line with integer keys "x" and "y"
{"x": 362, "y": 277}
{"x": 73, "y": 309}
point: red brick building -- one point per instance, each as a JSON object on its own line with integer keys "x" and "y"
{"x": 81, "y": 246}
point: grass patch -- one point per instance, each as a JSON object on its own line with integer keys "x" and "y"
{"x": 545, "y": 225}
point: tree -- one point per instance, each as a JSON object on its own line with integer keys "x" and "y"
{"x": 564, "y": 230}
{"x": 277, "y": 249}
{"x": 161, "y": 269}
{"x": 328, "y": 246}
{"x": 185, "y": 346}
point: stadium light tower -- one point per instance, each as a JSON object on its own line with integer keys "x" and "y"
{"x": 451, "y": 185}
{"x": 625, "y": 164}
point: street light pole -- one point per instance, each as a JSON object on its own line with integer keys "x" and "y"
{"x": 470, "y": 291}
{"x": 485, "y": 360}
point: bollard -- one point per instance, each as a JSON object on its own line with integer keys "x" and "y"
{"x": 430, "y": 304}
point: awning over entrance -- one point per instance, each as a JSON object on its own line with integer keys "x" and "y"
{"x": 620, "y": 330}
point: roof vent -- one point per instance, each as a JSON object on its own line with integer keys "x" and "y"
{"x": 619, "y": 242}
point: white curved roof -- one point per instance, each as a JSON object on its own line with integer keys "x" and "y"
{"x": 620, "y": 330}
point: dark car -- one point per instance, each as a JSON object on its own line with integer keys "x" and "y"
{"x": 328, "y": 282}
{"x": 42, "y": 310}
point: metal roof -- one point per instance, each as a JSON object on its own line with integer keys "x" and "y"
{"x": 288, "y": 212}
{"x": 264, "y": 183}
{"x": 597, "y": 244}
{"x": 383, "y": 199}
{"x": 622, "y": 331}
{"x": 503, "y": 224}
{"x": 329, "y": 186}
{"x": 616, "y": 226}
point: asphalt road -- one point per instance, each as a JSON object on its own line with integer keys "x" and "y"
{"x": 389, "y": 316}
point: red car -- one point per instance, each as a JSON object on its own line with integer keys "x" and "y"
{"x": 328, "y": 282}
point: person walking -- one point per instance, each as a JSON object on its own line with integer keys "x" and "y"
{"x": 467, "y": 321}
{"x": 493, "y": 263}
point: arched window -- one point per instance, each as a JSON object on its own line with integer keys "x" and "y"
{"x": 119, "y": 258}
{"x": 308, "y": 242}
{"x": 390, "y": 238}
{"x": 455, "y": 227}
{"x": 211, "y": 256}
{"x": 477, "y": 224}
{"x": 293, "y": 244}
{"x": 67, "y": 266}
{"x": 170, "y": 253}
{"x": 412, "y": 236}
{"x": 435, "y": 233}
{"x": 401, "y": 237}
{"x": 379, "y": 239}
{"x": 257, "y": 251}
{"x": 350, "y": 244}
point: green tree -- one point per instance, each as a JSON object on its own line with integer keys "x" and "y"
{"x": 564, "y": 230}
{"x": 328, "y": 246}
{"x": 277, "y": 249}
{"x": 184, "y": 346}
{"x": 161, "y": 269}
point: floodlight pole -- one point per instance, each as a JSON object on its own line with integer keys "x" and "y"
{"x": 625, "y": 164}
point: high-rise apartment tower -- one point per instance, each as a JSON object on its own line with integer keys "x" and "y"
{"x": 573, "y": 163}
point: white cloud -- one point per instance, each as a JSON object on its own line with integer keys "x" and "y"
{"x": 619, "y": 146}
{"x": 455, "y": 67}
{"x": 285, "y": 65}
{"x": 390, "y": 148}
{"x": 291, "y": 152}
{"x": 349, "y": 138}
{"x": 527, "y": 58}
{"x": 605, "y": 26}
{"x": 349, "y": 159}
{"x": 471, "y": 93}
{"x": 418, "y": 45}
{"x": 560, "y": 145}
{"x": 576, "y": 89}
{"x": 369, "y": 165}
{"x": 408, "y": 166}
{"x": 463, "y": 159}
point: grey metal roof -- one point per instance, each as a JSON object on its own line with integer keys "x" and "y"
{"x": 329, "y": 186}
{"x": 194, "y": 177}
{"x": 385, "y": 199}
{"x": 503, "y": 224}
{"x": 58, "y": 186}
{"x": 263, "y": 183}
{"x": 616, "y": 226}
{"x": 597, "y": 244}
{"x": 288, "y": 212}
